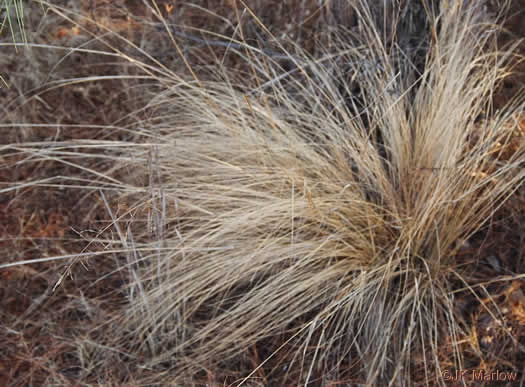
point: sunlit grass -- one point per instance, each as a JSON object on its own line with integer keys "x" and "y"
{"x": 286, "y": 211}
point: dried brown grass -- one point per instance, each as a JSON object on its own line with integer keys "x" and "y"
{"x": 288, "y": 229}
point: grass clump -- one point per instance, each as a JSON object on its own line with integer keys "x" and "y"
{"x": 299, "y": 221}
{"x": 301, "y": 211}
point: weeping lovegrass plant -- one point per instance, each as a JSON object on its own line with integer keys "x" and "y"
{"x": 292, "y": 208}
{"x": 288, "y": 211}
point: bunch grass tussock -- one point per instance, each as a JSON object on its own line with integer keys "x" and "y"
{"x": 311, "y": 209}
{"x": 334, "y": 220}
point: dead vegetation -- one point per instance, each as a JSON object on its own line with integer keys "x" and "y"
{"x": 222, "y": 193}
